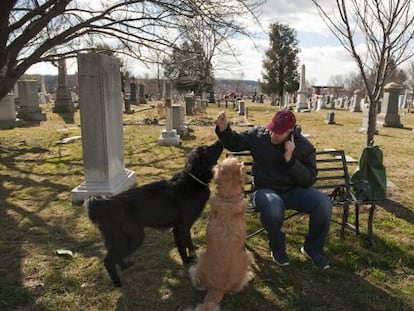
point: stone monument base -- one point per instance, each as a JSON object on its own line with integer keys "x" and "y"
{"x": 7, "y": 124}
{"x": 123, "y": 182}
{"x": 32, "y": 116}
{"x": 183, "y": 131}
{"x": 169, "y": 138}
{"x": 64, "y": 108}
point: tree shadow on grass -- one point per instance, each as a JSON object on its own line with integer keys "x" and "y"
{"x": 301, "y": 286}
{"x": 34, "y": 223}
{"x": 159, "y": 281}
{"x": 15, "y": 290}
{"x": 68, "y": 117}
{"x": 398, "y": 210}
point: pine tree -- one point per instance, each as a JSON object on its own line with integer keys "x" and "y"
{"x": 281, "y": 62}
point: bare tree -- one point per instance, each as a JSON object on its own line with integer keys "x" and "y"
{"x": 386, "y": 28}
{"x": 35, "y": 31}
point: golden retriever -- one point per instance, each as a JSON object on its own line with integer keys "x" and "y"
{"x": 224, "y": 266}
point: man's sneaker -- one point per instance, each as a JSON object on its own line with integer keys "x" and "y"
{"x": 280, "y": 258}
{"x": 316, "y": 258}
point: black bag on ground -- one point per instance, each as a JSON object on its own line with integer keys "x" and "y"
{"x": 369, "y": 181}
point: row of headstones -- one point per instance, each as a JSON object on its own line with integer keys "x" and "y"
{"x": 357, "y": 103}
{"x": 23, "y": 102}
{"x": 387, "y": 111}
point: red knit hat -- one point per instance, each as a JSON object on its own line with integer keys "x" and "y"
{"x": 282, "y": 121}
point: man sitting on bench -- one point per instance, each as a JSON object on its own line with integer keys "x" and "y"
{"x": 284, "y": 171}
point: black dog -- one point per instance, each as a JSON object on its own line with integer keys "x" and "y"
{"x": 175, "y": 203}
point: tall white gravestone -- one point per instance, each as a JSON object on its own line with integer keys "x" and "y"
{"x": 356, "y": 105}
{"x": 101, "y": 125}
{"x": 63, "y": 101}
{"x": 301, "y": 102}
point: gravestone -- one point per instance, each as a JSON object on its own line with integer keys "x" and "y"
{"x": 301, "y": 102}
{"x": 16, "y": 94}
{"x": 168, "y": 136}
{"x": 389, "y": 116}
{"x": 331, "y": 102}
{"x": 43, "y": 95}
{"x": 133, "y": 100}
{"x": 63, "y": 101}
{"x": 330, "y": 117}
{"x": 340, "y": 102}
{"x": 7, "y": 112}
{"x": 211, "y": 98}
{"x": 356, "y": 102}
{"x": 189, "y": 105}
{"x": 127, "y": 89}
{"x": 319, "y": 103}
{"x": 178, "y": 120}
{"x": 241, "y": 107}
{"x": 29, "y": 109}
{"x": 404, "y": 104}
{"x": 101, "y": 127}
{"x": 286, "y": 100}
{"x": 141, "y": 94}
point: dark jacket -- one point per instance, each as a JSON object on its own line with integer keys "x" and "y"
{"x": 270, "y": 168}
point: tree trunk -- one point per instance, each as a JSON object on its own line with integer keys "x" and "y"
{"x": 372, "y": 122}
{"x": 6, "y": 85}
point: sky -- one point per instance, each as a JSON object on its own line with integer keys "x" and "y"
{"x": 320, "y": 51}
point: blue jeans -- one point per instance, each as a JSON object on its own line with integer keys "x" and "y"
{"x": 272, "y": 206}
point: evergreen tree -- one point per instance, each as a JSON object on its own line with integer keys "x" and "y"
{"x": 281, "y": 62}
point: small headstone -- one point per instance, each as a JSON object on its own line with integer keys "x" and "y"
{"x": 211, "y": 98}
{"x": 330, "y": 117}
{"x": 189, "y": 105}
{"x": 29, "y": 109}
{"x": 133, "y": 100}
{"x": 141, "y": 94}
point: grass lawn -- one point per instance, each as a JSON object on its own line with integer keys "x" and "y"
{"x": 37, "y": 218}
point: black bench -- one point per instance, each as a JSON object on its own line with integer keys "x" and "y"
{"x": 333, "y": 179}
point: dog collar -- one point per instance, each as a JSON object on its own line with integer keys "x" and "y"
{"x": 199, "y": 180}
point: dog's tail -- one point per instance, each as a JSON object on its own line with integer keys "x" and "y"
{"x": 96, "y": 208}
